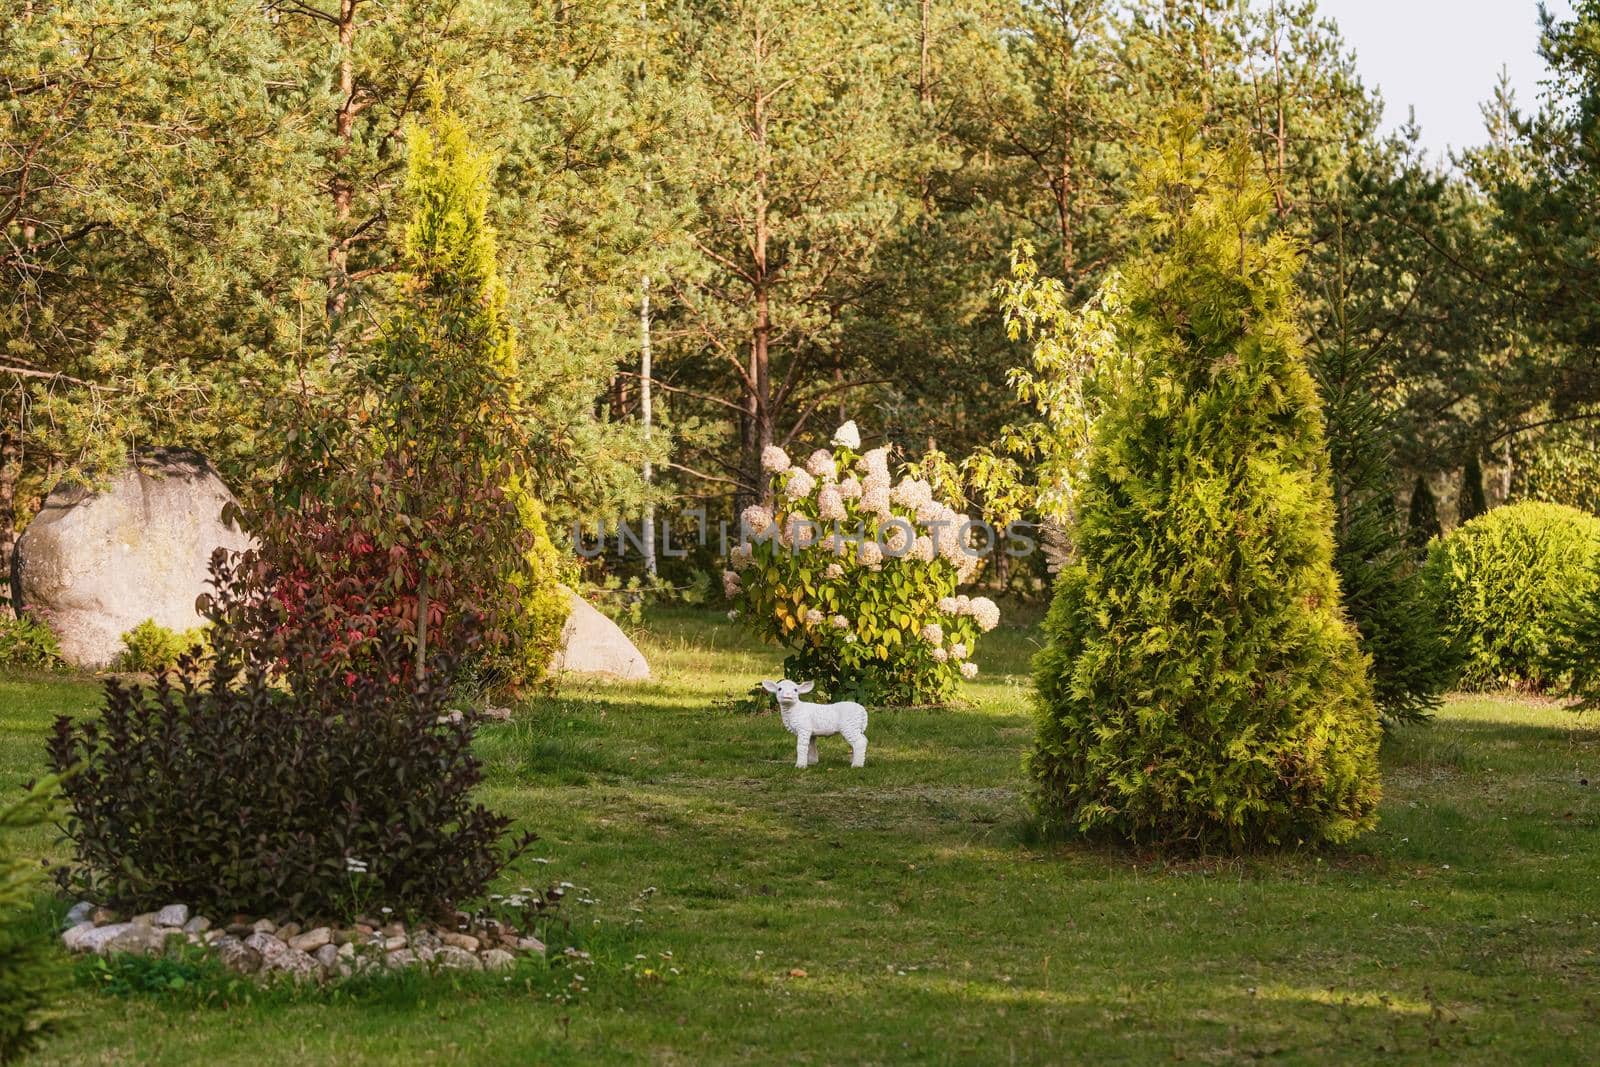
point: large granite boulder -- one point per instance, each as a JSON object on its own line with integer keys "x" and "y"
{"x": 593, "y": 644}
{"x": 94, "y": 565}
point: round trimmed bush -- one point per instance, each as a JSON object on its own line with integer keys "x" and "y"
{"x": 1503, "y": 584}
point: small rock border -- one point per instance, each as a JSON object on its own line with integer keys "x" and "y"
{"x": 321, "y": 953}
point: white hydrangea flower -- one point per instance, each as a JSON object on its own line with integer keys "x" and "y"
{"x": 740, "y": 556}
{"x": 984, "y": 612}
{"x": 756, "y": 518}
{"x": 898, "y": 541}
{"x": 875, "y": 462}
{"x": 933, "y": 633}
{"x": 940, "y": 655}
{"x": 847, "y": 436}
{"x": 774, "y": 459}
{"x": 870, "y": 554}
{"x": 922, "y": 548}
{"x": 730, "y": 583}
{"x": 813, "y": 617}
{"x": 876, "y": 502}
{"x": 830, "y": 505}
{"x": 967, "y": 568}
{"x": 952, "y": 548}
{"x": 839, "y": 622}
{"x": 821, "y": 465}
{"x": 800, "y": 483}
{"x": 912, "y": 493}
{"x": 798, "y": 532}
{"x": 969, "y": 670}
{"x": 850, "y": 488}
{"x": 958, "y": 650}
{"x": 833, "y": 571}
{"x": 949, "y": 606}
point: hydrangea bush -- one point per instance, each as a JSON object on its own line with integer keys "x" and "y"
{"x": 857, "y": 576}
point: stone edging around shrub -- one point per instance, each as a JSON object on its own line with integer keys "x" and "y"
{"x": 321, "y": 953}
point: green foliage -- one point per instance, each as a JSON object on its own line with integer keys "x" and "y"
{"x": 844, "y": 576}
{"x": 1379, "y": 574}
{"x": 626, "y": 601}
{"x": 792, "y": 154}
{"x": 1201, "y": 687}
{"x": 541, "y": 608}
{"x": 26, "y": 643}
{"x": 1422, "y": 520}
{"x": 148, "y": 161}
{"x": 1560, "y": 465}
{"x": 1070, "y": 346}
{"x": 184, "y": 975}
{"x": 151, "y": 648}
{"x": 1541, "y": 172}
{"x": 290, "y": 779}
{"x": 176, "y": 184}
{"x": 31, "y": 970}
{"x": 1502, "y": 586}
{"x": 1578, "y": 645}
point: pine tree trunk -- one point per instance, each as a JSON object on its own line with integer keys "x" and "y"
{"x": 645, "y": 416}
{"x": 759, "y": 403}
{"x": 10, "y": 461}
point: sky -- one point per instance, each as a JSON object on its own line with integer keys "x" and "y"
{"x": 1443, "y": 57}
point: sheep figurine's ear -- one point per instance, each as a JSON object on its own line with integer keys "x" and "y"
{"x": 804, "y": 687}
{"x": 771, "y": 687}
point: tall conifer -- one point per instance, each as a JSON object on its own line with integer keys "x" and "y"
{"x": 1202, "y": 686}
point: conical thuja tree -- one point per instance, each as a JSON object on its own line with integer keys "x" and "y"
{"x": 447, "y": 380}
{"x": 420, "y": 502}
{"x": 1202, "y": 686}
{"x": 1422, "y": 519}
{"x": 1472, "y": 502}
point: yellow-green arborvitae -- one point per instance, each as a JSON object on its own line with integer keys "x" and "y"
{"x": 1202, "y": 687}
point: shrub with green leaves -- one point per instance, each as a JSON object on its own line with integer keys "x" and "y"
{"x": 28, "y": 644}
{"x": 151, "y": 648}
{"x": 1503, "y": 586}
{"x": 1579, "y": 646}
{"x": 857, "y": 577}
{"x": 32, "y": 974}
{"x": 1202, "y": 687}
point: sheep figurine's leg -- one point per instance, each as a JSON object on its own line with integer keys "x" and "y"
{"x": 805, "y": 748}
{"x": 811, "y": 753}
{"x": 858, "y": 747}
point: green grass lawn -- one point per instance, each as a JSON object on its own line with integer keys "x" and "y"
{"x": 748, "y": 912}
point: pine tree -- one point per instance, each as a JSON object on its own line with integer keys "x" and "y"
{"x": 1471, "y": 503}
{"x": 1202, "y": 687}
{"x": 1378, "y": 572}
{"x": 1422, "y": 521}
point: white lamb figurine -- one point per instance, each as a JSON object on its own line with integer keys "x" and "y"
{"x": 809, "y": 721}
